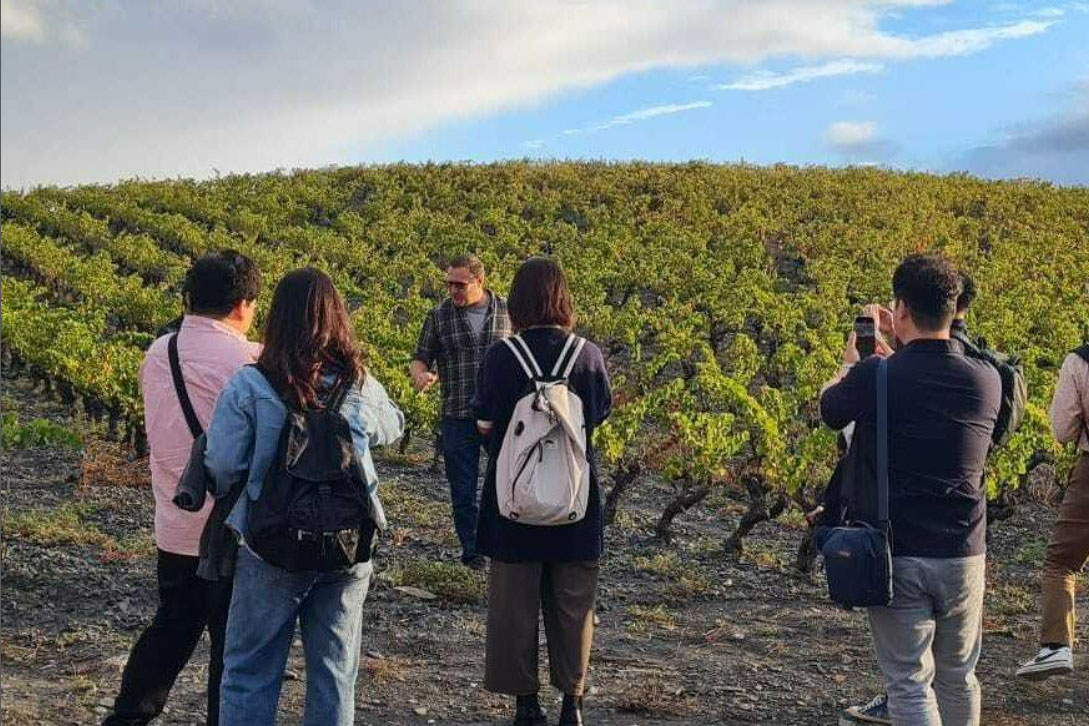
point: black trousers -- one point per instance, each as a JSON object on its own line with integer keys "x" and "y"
{"x": 187, "y": 604}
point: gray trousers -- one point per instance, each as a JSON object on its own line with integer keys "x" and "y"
{"x": 928, "y": 640}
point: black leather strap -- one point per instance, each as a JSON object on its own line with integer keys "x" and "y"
{"x": 883, "y": 441}
{"x": 179, "y": 387}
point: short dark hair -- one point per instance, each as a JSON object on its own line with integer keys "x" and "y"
{"x": 539, "y": 295}
{"x": 967, "y": 293}
{"x": 216, "y": 283}
{"x": 929, "y": 285}
{"x": 470, "y": 262}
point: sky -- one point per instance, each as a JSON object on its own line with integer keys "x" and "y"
{"x": 103, "y": 90}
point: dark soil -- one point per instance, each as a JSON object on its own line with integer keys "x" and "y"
{"x": 687, "y": 635}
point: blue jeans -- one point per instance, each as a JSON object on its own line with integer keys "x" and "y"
{"x": 266, "y": 602}
{"x": 461, "y": 444}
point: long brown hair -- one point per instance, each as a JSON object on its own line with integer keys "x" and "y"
{"x": 308, "y": 334}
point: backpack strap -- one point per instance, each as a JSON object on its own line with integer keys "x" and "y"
{"x": 179, "y": 387}
{"x": 339, "y": 392}
{"x": 1082, "y": 352}
{"x": 524, "y": 356}
{"x": 883, "y": 441}
{"x": 570, "y": 353}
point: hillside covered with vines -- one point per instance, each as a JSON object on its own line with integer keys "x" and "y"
{"x": 721, "y": 295}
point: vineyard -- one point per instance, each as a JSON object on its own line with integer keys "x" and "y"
{"x": 719, "y": 294}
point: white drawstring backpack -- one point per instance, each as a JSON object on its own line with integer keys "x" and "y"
{"x": 542, "y": 475}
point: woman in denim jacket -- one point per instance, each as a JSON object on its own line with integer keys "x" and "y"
{"x": 308, "y": 346}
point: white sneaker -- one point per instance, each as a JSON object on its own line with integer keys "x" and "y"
{"x": 1048, "y": 662}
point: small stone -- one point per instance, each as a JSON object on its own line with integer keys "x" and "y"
{"x": 416, "y": 592}
{"x": 420, "y": 710}
{"x": 105, "y": 702}
{"x": 375, "y": 655}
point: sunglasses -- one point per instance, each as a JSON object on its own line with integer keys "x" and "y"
{"x": 454, "y": 284}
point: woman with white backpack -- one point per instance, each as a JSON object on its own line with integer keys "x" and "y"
{"x": 539, "y": 396}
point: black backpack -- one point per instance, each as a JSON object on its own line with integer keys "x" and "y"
{"x": 1014, "y": 390}
{"x": 314, "y": 511}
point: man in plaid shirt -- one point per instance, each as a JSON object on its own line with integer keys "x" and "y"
{"x": 455, "y": 336}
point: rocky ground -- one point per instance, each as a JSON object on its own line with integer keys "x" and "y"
{"x": 686, "y": 635}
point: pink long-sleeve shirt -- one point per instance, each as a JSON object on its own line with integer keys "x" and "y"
{"x": 210, "y": 353}
{"x": 1070, "y": 403}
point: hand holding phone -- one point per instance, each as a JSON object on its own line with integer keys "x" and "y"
{"x": 865, "y": 336}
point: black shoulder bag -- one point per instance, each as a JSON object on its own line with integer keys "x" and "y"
{"x": 858, "y": 556}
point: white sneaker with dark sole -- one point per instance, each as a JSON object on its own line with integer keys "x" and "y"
{"x": 1047, "y": 663}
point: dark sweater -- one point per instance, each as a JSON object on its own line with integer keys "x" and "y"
{"x": 942, "y": 408}
{"x": 500, "y": 383}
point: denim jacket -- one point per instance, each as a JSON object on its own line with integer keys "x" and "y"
{"x": 246, "y": 425}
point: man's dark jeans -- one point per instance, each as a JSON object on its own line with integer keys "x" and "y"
{"x": 187, "y": 604}
{"x": 461, "y": 444}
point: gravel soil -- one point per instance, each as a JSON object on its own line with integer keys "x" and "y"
{"x": 686, "y": 634}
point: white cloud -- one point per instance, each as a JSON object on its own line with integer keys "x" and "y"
{"x": 21, "y": 21}
{"x": 859, "y": 141}
{"x": 533, "y": 144}
{"x": 164, "y": 89}
{"x": 846, "y": 134}
{"x": 764, "y": 80}
{"x": 1049, "y": 12}
{"x": 965, "y": 42}
{"x": 641, "y": 115}
{"x": 39, "y": 21}
{"x": 856, "y": 97}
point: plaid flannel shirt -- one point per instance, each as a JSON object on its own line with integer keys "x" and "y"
{"x": 447, "y": 340}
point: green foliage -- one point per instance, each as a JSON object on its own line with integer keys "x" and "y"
{"x": 39, "y": 432}
{"x": 720, "y": 295}
{"x": 67, "y": 524}
{"x": 452, "y": 582}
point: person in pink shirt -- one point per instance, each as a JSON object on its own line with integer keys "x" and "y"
{"x": 211, "y": 345}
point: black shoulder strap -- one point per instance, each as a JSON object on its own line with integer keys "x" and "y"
{"x": 179, "y": 387}
{"x": 340, "y": 392}
{"x": 1083, "y": 353}
{"x": 883, "y": 441}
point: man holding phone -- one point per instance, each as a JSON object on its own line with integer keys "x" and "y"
{"x": 943, "y": 407}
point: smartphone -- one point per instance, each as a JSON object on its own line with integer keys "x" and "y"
{"x": 865, "y": 336}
